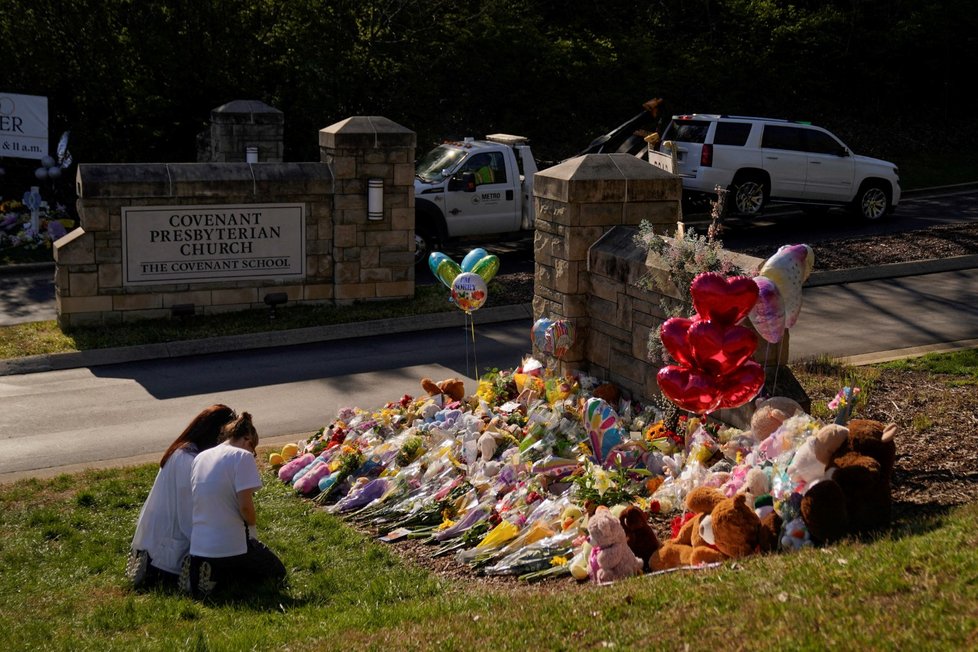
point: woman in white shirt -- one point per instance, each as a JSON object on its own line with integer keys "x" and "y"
{"x": 224, "y": 546}
{"x": 162, "y": 535}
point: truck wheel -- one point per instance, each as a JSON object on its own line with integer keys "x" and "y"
{"x": 749, "y": 194}
{"x": 424, "y": 244}
{"x": 872, "y": 202}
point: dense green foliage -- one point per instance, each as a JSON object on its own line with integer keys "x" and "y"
{"x": 136, "y": 80}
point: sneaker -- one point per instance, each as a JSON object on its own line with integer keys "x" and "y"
{"x": 183, "y": 581}
{"x": 137, "y": 566}
{"x": 204, "y": 583}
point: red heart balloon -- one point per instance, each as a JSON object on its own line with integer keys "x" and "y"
{"x": 741, "y": 385}
{"x": 723, "y": 300}
{"x": 673, "y": 335}
{"x": 689, "y": 389}
{"x": 719, "y": 349}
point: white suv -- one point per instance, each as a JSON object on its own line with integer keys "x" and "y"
{"x": 762, "y": 159}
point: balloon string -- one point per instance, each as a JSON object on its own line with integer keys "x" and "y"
{"x": 777, "y": 368}
{"x": 465, "y": 338}
{"x": 475, "y": 358}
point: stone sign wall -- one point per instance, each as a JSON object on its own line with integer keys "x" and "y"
{"x": 222, "y": 236}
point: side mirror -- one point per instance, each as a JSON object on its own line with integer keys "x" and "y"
{"x": 464, "y": 181}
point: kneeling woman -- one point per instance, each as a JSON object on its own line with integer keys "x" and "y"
{"x": 162, "y": 536}
{"x": 224, "y": 546}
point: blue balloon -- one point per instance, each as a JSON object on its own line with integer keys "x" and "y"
{"x": 434, "y": 259}
{"x": 539, "y": 331}
{"x": 472, "y": 258}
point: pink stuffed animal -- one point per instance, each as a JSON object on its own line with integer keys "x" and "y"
{"x": 611, "y": 558}
{"x": 290, "y": 468}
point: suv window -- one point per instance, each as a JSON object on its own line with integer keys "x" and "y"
{"x": 731, "y": 133}
{"x": 779, "y": 137}
{"x": 687, "y": 131}
{"x": 822, "y": 143}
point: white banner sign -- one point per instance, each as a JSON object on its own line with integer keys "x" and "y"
{"x": 187, "y": 244}
{"x": 23, "y": 126}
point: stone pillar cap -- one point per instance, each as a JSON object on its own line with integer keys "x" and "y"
{"x": 245, "y": 106}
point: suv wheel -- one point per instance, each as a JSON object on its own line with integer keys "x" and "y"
{"x": 749, "y": 194}
{"x": 872, "y": 202}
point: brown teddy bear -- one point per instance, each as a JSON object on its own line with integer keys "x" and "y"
{"x": 453, "y": 388}
{"x": 855, "y": 498}
{"x": 678, "y": 551}
{"x": 639, "y": 534}
{"x": 723, "y": 528}
{"x": 611, "y": 558}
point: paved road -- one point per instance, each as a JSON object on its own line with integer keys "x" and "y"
{"x": 131, "y": 412}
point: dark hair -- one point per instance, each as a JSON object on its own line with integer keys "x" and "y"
{"x": 239, "y": 428}
{"x": 203, "y": 431}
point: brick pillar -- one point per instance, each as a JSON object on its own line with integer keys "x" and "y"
{"x": 576, "y": 203}
{"x": 240, "y": 124}
{"x": 374, "y": 258}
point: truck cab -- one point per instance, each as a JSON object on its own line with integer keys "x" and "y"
{"x": 473, "y": 188}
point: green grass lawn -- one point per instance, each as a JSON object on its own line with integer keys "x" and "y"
{"x": 64, "y": 542}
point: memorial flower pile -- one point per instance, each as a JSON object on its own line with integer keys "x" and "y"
{"x": 16, "y": 230}
{"x": 504, "y": 479}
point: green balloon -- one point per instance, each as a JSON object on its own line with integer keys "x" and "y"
{"x": 446, "y": 271}
{"x": 487, "y": 267}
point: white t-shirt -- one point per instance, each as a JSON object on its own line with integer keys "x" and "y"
{"x": 165, "y": 521}
{"x": 216, "y": 478}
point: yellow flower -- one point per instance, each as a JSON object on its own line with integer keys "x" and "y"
{"x": 602, "y": 480}
{"x": 447, "y": 523}
{"x": 558, "y": 561}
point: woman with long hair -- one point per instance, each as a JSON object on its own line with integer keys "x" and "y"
{"x": 224, "y": 546}
{"x": 162, "y": 535}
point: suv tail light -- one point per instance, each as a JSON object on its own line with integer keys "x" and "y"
{"x": 706, "y": 156}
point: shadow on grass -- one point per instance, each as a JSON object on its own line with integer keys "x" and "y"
{"x": 263, "y": 598}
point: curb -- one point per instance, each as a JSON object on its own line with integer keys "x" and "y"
{"x": 891, "y": 270}
{"x": 271, "y": 339}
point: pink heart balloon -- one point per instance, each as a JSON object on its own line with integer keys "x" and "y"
{"x": 673, "y": 334}
{"x": 741, "y": 385}
{"x": 689, "y": 389}
{"x": 719, "y": 349}
{"x": 721, "y": 299}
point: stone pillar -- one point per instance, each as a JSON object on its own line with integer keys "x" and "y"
{"x": 241, "y": 124}
{"x": 374, "y": 258}
{"x": 576, "y": 203}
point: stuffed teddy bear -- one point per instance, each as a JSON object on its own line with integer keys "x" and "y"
{"x": 770, "y": 413}
{"x": 453, "y": 388}
{"x": 855, "y": 496}
{"x": 611, "y": 558}
{"x": 813, "y": 457}
{"x": 639, "y": 534}
{"x": 723, "y": 528}
{"x": 678, "y": 551}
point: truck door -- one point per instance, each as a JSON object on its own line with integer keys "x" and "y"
{"x": 494, "y": 206}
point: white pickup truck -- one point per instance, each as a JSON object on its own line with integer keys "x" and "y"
{"x": 473, "y": 188}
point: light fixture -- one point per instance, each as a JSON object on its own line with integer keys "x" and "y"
{"x": 375, "y": 199}
{"x": 274, "y": 300}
